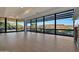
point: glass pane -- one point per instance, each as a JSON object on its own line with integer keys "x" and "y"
{"x": 20, "y": 25}
{"x": 50, "y": 24}
{"x": 64, "y": 23}
{"x": 33, "y": 25}
{"x": 28, "y": 25}
{"x": 40, "y": 24}
{"x": 65, "y": 32}
{"x": 2, "y": 24}
{"x": 11, "y": 24}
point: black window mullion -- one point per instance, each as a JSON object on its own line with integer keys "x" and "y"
{"x": 43, "y": 24}
{"x": 55, "y": 24}
{"x": 36, "y": 25}
{"x": 16, "y": 25}
{"x": 5, "y": 25}
{"x": 30, "y": 25}
{"x": 25, "y": 25}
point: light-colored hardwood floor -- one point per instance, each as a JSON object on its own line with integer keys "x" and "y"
{"x": 36, "y": 42}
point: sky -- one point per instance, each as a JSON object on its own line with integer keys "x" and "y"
{"x": 67, "y": 21}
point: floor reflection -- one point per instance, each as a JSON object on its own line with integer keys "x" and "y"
{"x": 36, "y": 42}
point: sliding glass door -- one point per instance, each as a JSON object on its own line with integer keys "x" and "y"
{"x": 50, "y": 24}
{"x": 28, "y": 25}
{"x": 64, "y": 23}
{"x": 33, "y": 25}
{"x": 20, "y": 25}
{"x": 11, "y": 25}
{"x": 2, "y": 25}
{"x": 40, "y": 24}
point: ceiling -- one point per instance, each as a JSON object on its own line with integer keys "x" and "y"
{"x": 26, "y": 12}
{"x": 20, "y": 12}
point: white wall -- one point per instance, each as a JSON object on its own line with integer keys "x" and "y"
{"x": 76, "y": 15}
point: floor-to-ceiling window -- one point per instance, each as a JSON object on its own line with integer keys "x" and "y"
{"x": 11, "y": 25}
{"x": 2, "y": 24}
{"x": 20, "y": 25}
{"x": 50, "y": 24}
{"x": 28, "y": 25}
{"x": 64, "y": 23}
{"x": 59, "y": 23}
{"x": 33, "y": 25}
{"x": 40, "y": 24}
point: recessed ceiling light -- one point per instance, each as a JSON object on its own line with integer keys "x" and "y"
{"x": 27, "y": 11}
